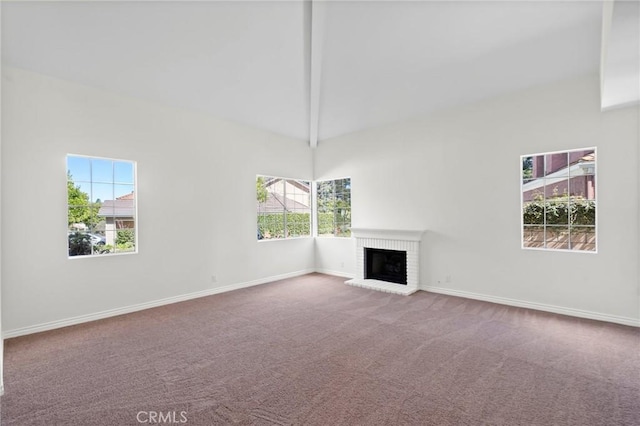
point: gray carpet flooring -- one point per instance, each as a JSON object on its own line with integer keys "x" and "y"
{"x": 313, "y": 351}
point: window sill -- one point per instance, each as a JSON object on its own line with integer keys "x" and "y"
{"x": 268, "y": 240}
{"x": 101, "y": 256}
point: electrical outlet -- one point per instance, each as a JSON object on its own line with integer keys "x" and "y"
{"x": 342, "y": 264}
{"x": 214, "y": 279}
{"x": 447, "y": 279}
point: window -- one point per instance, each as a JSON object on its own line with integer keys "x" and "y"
{"x": 284, "y": 207}
{"x": 101, "y": 206}
{"x": 334, "y": 208}
{"x": 559, "y": 200}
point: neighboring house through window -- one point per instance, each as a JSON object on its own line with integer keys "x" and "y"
{"x": 559, "y": 200}
{"x": 334, "y": 207}
{"x": 101, "y": 206}
{"x": 284, "y": 207}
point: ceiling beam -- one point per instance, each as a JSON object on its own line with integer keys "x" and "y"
{"x": 318, "y": 14}
{"x": 620, "y": 55}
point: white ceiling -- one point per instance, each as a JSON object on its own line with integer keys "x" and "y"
{"x": 250, "y": 61}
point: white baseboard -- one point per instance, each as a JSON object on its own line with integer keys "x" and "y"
{"x": 342, "y": 274}
{"x": 1, "y": 390}
{"x": 209, "y": 292}
{"x": 537, "y": 306}
{"x": 146, "y": 305}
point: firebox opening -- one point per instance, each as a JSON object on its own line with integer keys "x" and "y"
{"x": 385, "y": 265}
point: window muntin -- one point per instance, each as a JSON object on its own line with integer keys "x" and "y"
{"x": 558, "y": 196}
{"x": 101, "y": 206}
{"x": 284, "y": 207}
{"x": 334, "y": 207}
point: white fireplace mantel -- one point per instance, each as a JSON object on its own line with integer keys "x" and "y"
{"x": 388, "y": 234}
{"x": 388, "y": 239}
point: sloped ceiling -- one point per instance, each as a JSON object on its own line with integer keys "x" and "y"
{"x": 251, "y": 62}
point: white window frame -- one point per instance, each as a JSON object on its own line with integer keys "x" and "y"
{"x": 311, "y": 224}
{"x": 315, "y": 210}
{"x": 113, "y": 182}
{"x": 595, "y": 201}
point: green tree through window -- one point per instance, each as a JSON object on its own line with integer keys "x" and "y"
{"x": 334, "y": 207}
{"x": 101, "y": 207}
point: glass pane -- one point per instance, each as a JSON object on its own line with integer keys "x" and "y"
{"x": 123, "y": 192}
{"x": 326, "y": 195}
{"x": 110, "y": 237}
{"x": 98, "y": 242}
{"x": 262, "y": 195}
{"x": 93, "y": 218}
{"x": 533, "y": 236}
{"x": 556, "y": 187}
{"x": 343, "y": 229}
{"x": 532, "y": 189}
{"x": 271, "y": 225}
{"x": 557, "y": 237}
{"x": 100, "y": 192}
{"x": 78, "y": 193}
{"x": 325, "y": 225}
{"x": 533, "y": 213}
{"x": 556, "y": 163}
{"x": 343, "y": 188}
{"x": 101, "y": 170}
{"x": 298, "y": 224}
{"x": 79, "y": 168}
{"x": 297, "y": 195}
{"x": 583, "y": 186}
{"x": 125, "y": 240}
{"x": 585, "y": 160}
{"x": 583, "y": 238}
{"x": 106, "y": 210}
{"x": 583, "y": 212}
{"x": 123, "y": 172}
{"x": 79, "y": 243}
{"x": 536, "y": 166}
{"x": 123, "y": 221}
{"x": 578, "y": 186}
{"x": 297, "y": 203}
{"x": 557, "y": 212}
{"x": 527, "y": 168}
{"x": 79, "y": 217}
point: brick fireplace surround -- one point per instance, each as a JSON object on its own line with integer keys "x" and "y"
{"x": 388, "y": 239}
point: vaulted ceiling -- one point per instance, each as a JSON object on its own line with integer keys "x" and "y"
{"x": 311, "y": 70}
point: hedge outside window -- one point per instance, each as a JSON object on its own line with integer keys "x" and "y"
{"x": 334, "y": 207}
{"x": 101, "y": 206}
{"x": 559, "y": 200}
{"x": 284, "y": 207}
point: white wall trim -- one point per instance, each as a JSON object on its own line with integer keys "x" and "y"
{"x": 341, "y": 274}
{"x": 175, "y": 299}
{"x": 146, "y": 305}
{"x": 388, "y": 234}
{"x": 634, "y": 322}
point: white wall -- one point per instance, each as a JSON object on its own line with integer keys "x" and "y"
{"x": 197, "y": 206}
{"x": 196, "y": 200}
{"x": 424, "y": 174}
{"x": 1, "y": 338}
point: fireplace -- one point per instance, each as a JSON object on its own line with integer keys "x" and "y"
{"x": 387, "y": 260}
{"x": 385, "y": 265}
